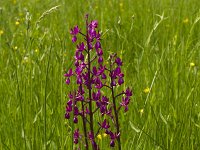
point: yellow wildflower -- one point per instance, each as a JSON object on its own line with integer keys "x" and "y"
{"x": 104, "y": 135}
{"x": 36, "y": 50}
{"x": 1, "y": 32}
{"x": 185, "y": 21}
{"x": 17, "y": 23}
{"x": 15, "y": 48}
{"x": 192, "y": 64}
{"x": 99, "y": 136}
{"x": 147, "y": 90}
{"x": 141, "y": 111}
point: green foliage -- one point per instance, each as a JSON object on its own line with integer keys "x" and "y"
{"x": 158, "y": 41}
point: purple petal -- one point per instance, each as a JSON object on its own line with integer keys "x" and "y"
{"x": 100, "y": 52}
{"x": 67, "y": 115}
{"x": 69, "y": 73}
{"x": 76, "y": 133}
{"x": 98, "y": 35}
{"x": 128, "y": 92}
{"x": 76, "y": 112}
{"x": 97, "y": 45}
{"x": 79, "y": 70}
{"x": 113, "y": 83}
{"x": 90, "y": 46}
{"x": 120, "y": 81}
{"x": 103, "y": 76}
{"x": 91, "y": 136}
{"x": 94, "y": 70}
{"x": 112, "y": 143}
{"x": 75, "y": 120}
{"x": 81, "y": 47}
{"x": 76, "y": 30}
{"x": 74, "y": 39}
{"x": 69, "y": 103}
{"x": 117, "y": 70}
{"x": 100, "y": 60}
{"x": 67, "y": 81}
{"x": 94, "y": 24}
{"x": 118, "y": 61}
{"x": 75, "y": 141}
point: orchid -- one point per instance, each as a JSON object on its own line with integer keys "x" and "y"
{"x": 93, "y": 77}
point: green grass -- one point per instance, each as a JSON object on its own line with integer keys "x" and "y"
{"x": 156, "y": 51}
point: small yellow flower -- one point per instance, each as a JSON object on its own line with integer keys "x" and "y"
{"x": 104, "y": 135}
{"x": 185, "y": 21}
{"x": 1, "y": 32}
{"x": 192, "y": 64}
{"x": 36, "y": 50}
{"x": 141, "y": 111}
{"x": 99, "y": 136}
{"x": 15, "y": 48}
{"x": 17, "y": 23}
{"x": 147, "y": 90}
{"x": 121, "y": 4}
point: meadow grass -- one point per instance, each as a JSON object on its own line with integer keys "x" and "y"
{"x": 159, "y": 42}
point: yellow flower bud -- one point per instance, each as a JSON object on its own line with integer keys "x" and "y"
{"x": 15, "y": 48}
{"x": 185, "y": 21}
{"x": 192, "y": 64}
{"x": 99, "y": 136}
{"x": 104, "y": 135}
{"x": 17, "y": 23}
{"x": 1, "y": 32}
{"x": 147, "y": 90}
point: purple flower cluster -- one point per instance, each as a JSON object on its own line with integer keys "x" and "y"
{"x": 92, "y": 77}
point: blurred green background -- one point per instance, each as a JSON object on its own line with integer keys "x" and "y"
{"x": 158, "y": 41}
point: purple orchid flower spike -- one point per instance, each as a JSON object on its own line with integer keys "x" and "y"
{"x": 93, "y": 81}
